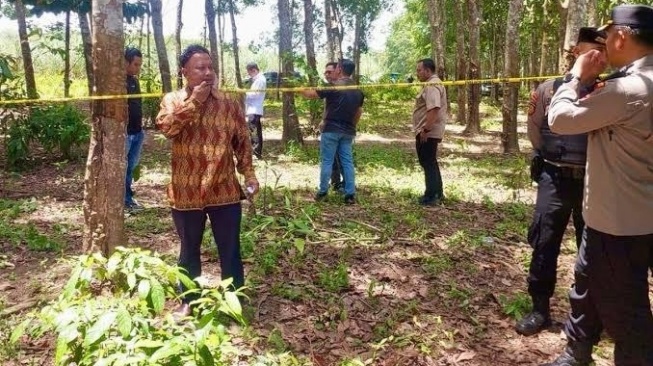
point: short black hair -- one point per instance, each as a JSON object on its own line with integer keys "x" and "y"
{"x": 334, "y": 64}
{"x": 428, "y": 63}
{"x": 189, "y": 52}
{"x": 252, "y": 66}
{"x": 131, "y": 53}
{"x": 643, "y": 37}
{"x": 347, "y": 66}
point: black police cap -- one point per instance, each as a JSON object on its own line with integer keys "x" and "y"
{"x": 590, "y": 35}
{"x": 634, "y": 16}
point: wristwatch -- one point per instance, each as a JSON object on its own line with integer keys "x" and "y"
{"x": 569, "y": 77}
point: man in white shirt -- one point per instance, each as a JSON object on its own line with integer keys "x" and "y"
{"x": 254, "y": 107}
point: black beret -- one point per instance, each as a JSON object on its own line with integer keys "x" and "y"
{"x": 590, "y": 35}
{"x": 634, "y": 16}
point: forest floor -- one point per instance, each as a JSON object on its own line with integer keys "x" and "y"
{"x": 382, "y": 282}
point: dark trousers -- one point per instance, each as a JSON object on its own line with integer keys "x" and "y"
{"x": 256, "y": 133}
{"x": 559, "y": 196}
{"x": 427, "y": 154}
{"x": 225, "y": 224}
{"x": 611, "y": 291}
{"x": 336, "y": 181}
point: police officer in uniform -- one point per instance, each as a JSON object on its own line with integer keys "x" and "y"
{"x": 611, "y": 273}
{"x": 558, "y": 167}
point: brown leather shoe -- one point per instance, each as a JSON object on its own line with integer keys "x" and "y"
{"x": 182, "y": 312}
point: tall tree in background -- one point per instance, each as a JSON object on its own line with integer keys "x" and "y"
{"x": 511, "y": 91}
{"x": 209, "y": 11}
{"x": 563, "y": 10}
{"x": 221, "y": 24}
{"x": 474, "y": 71}
{"x": 234, "y": 41}
{"x": 334, "y": 29}
{"x": 178, "y": 28}
{"x": 461, "y": 63}
{"x": 104, "y": 187}
{"x": 26, "y": 51}
{"x": 87, "y": 45}
{"x": 576, "y": 17}
{"x": 159, "y": 42}
{"x": 436, "y": 11}
{"x": 361, "y": 13}
{"x": 309, "y": 44}
{"x": 66, "y": 57}
{"x": 291, "y": 130}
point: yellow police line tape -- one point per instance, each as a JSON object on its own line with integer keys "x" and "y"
{"x": 289, "y": 89}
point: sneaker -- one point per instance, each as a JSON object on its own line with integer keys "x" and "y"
{"x": 350, "y": 199}
{"x": 320, "y": 196}
{"x": 533, "y": 323}
{"x": 134, "y": 206}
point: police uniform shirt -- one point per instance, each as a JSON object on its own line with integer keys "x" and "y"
{"x": 618, "y": 115}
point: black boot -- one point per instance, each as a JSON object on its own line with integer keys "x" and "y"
{"x": 535, "y": 321}
{"x": 575, "y": 354}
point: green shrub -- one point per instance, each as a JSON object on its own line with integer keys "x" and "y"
{"x": 60, "y": 127}
{"x": 111, "y": 312}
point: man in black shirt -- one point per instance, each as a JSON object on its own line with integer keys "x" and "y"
{"x": 343, "y": 110}
{"x": 135, "y": 134}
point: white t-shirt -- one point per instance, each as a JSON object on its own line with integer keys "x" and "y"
{"x": 254, "y": 99}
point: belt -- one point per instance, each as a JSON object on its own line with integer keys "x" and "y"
{"x": 573, "y": 172}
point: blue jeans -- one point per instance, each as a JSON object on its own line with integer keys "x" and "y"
{"x": 332, "y": 143}
{"x": 133, "y": 147}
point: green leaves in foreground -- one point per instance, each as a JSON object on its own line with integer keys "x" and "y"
{"x": 111, "y": 313}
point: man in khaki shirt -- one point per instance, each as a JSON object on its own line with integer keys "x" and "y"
{"x": 611, "y": 274}
{"x": 429, "y": 120}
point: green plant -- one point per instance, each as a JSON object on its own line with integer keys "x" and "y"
{"x": 516, "y": 306}
{"x": 334, "y": 279}
{"x": 111, "y": 313}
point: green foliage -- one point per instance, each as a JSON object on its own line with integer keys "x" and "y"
{"x": 60, "y": 127}
{"x": 516, "y": 306}
{"x": 334, "y": 279}
{"x": 111, "y": 313}
{"x": 25, "y": 234}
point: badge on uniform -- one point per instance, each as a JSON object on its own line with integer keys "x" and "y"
{"x": 532, "y": 103}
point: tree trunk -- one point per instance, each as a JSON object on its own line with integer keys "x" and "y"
{"x": 180, "y": 25}
{"x": 474, "y": 26}
{"x": 563, "y": 8}
{"x": 328, "y": 24}
{"x": 209, "y": 9}
{"x": 339, "y": 30}
{"x": 511, "y": 90}
{"x": 461, "y": 63}
{"x": 87, "y": 43}
{"x": 159, "y": 41}
{"x": 221, "y": 25}
{"x": 592, "y": 13}
{"x": 437, "y": 26}
{"x": 544, "y": 50}
{"x": 104, "y": 181}
{"x": 26, "y": 51}
{"x": 234, "y": 42}
{"x": 358, "y": 35}
{"x": 291, "y": 130}
{"x": 310, "y": 45}
{"x": 66, "y": 57}
{"x": 141, "y": 33}
{"x": 576, "y": 14}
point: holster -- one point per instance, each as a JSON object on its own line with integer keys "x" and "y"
{"x": 537, "y": 166}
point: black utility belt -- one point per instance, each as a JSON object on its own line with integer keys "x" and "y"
{"x": 575, "y": 172}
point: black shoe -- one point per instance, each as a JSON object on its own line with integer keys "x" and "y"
{"x": 320, "y": 196}
{"x": 533, "y": 323}
{"x": 350, "y": 199}
{"x": 574, "y": 355}
{"x": 429, "y": 201}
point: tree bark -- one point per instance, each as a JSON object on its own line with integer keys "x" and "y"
{"x": 104, "y": 187}
{"x": 511, "y": 90}
{"x": 592, "y": 13}
{"x": 474, "y": 100}
{"x": 159, "y": 41}
{"x": 310, "y": 45}
{"x": 328, "y": 24}
{"x": 221, "y": 25}
{"x": 209, "y": 9}
{"x": 291, "y": 130}
{"x": 461, "y": 63}
{"x": 178, "y": 28}
{"x": 358, "y": 35}
{"x": 66, "y": 58}
{"x": 563, "y": 8}
{"x": 87, "y": 43}
{"x": 544, "y": 50}
{"x": 437, "y": 27}
{"x": 26, "y": 51}
{"x": 576, "y": 14}
{"x": 234, "y": 42}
